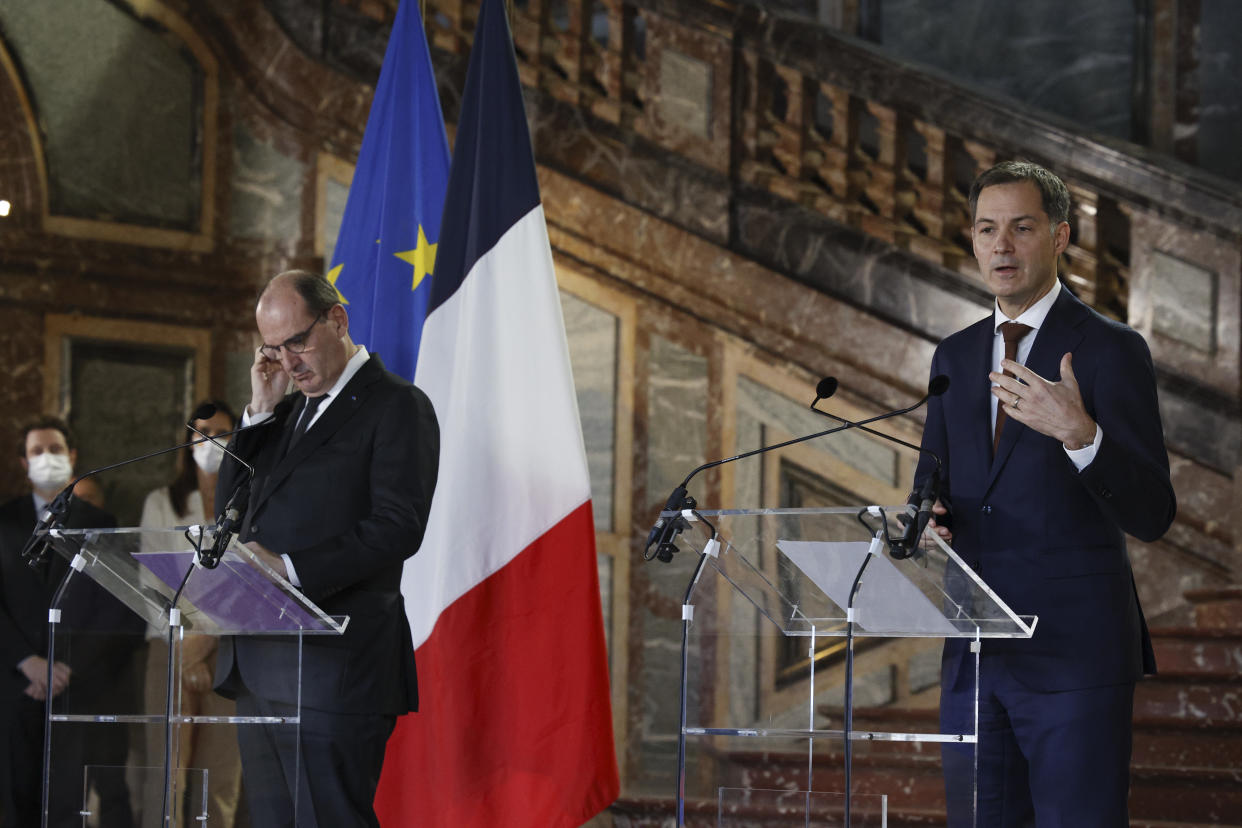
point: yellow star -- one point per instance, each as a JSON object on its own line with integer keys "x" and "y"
{"x": 423, "y": 257}
{"x": 333, "y": 275}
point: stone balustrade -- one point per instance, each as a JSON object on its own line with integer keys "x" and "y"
{"x": 854, "y": 143}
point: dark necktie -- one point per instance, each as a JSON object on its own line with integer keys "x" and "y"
{"x": 304, "y": 419}
{"x": 1013, "y": 333}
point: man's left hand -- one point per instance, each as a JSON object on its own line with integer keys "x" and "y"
{"x": 1054, "y": 409}
{"x": 268, "y": 557}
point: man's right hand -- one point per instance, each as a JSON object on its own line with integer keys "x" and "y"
{"x": 268, "y": 384}
{"x": 34, "y": 668}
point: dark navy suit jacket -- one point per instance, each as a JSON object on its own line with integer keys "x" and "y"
{"x": 1049, "y": 539}
{"x": 348, "y": 503}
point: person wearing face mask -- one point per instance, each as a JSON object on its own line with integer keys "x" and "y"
{"x": 47, "y": 453}
{"x": 190, "y": 500}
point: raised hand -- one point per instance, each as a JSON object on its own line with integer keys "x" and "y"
{"x": 1051, "y": 408}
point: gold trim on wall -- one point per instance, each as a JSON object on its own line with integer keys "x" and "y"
{"x": 59, "y": 330}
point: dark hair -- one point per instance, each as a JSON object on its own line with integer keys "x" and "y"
{"x": 314, "y": 288}
{"x": 1052, "y": 190}
{"x": 46, "y": 421}
{"x": 187, "y": 478}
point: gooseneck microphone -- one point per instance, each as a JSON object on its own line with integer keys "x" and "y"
{"x": 663, "y": 534}
{"x": 35, "y": 549}
{"x": 918, "y": 509}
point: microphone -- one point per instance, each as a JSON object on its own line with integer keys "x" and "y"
{"x": 35, "y": 549}
{"x": 918, "y": 513}
{"x": 918, "y": 508}
{"x": 824, "y": 389}
{"x": 664, "y": 533}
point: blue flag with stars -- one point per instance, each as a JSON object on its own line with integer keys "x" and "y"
{"x": 385, "y": 254}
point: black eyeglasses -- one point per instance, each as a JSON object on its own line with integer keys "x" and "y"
{"x": 295, "y": 344}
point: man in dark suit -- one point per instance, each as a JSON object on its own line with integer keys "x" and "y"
{"x": 89, "y": 657}
{"x": 1053, "y": 450}
{"x": 343, "y": 483}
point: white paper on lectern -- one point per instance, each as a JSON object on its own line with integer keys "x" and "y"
{"x": 886, "y": 602}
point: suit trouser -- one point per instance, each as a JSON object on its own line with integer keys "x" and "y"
{"x": 329, "y": 765}
{"x": 21, "y": 789}
{"x": 1050, "y": 760}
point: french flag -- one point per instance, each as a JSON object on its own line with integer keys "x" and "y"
{"x": 515, "y": 723}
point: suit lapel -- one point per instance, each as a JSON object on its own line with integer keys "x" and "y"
{"x": 979, "y": 391}
{"x": 1055, "y": 337}
{"x": 339, "y": 411}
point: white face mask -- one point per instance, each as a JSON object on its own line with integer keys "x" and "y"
{"x": 207, "y": 456}
{"x": 49, "y": 471}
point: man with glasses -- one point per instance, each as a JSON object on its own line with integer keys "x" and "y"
{"x": 343, "y": 482}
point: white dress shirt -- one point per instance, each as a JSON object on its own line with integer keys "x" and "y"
{"x": 1034, "y": 317}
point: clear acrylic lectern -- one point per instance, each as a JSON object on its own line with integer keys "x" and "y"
{"x": 781, "y": 587}
{"x": 144, "y": 570}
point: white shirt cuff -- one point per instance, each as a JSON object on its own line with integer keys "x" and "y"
{"x": 1081, "y": 458}
{"x": 249, "y": 419}
{"x": 290, "y": 572}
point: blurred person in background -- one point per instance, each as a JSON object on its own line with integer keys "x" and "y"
{"x": 93, "y": 652}
{"x": 190, "y": 500}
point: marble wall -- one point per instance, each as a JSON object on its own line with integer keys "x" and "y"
{"x": 267, "y": 198}
{"x": 593, "y": 333}
{"x": 106, "y": 422}
{"x": 1220, "y": 92}
{"x": 1070, "y": 58}
{"x": 677, "y": 442}
{"x": 119, "y": 106}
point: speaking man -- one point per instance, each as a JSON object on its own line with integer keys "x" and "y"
{"x": 344, "y": 477}
{"x": 1053, "y": 452}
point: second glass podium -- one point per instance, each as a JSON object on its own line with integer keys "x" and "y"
{"x": 778, "y": 604}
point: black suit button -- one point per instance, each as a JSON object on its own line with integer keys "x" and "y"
{"x": 1106, "y": 493}
{"x": 254, "y": 529}
{"x": 987, "y": 510}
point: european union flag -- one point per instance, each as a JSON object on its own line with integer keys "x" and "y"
{"x": 386, "y": 251}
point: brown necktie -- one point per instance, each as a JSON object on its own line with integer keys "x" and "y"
{"x": 1013, "y": 333}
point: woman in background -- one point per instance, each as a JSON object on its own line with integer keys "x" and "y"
{"x": 190, "y": 500}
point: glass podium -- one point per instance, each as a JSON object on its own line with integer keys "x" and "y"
{"x": 117, "y": 601}
{"x": 781, "y": 587}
